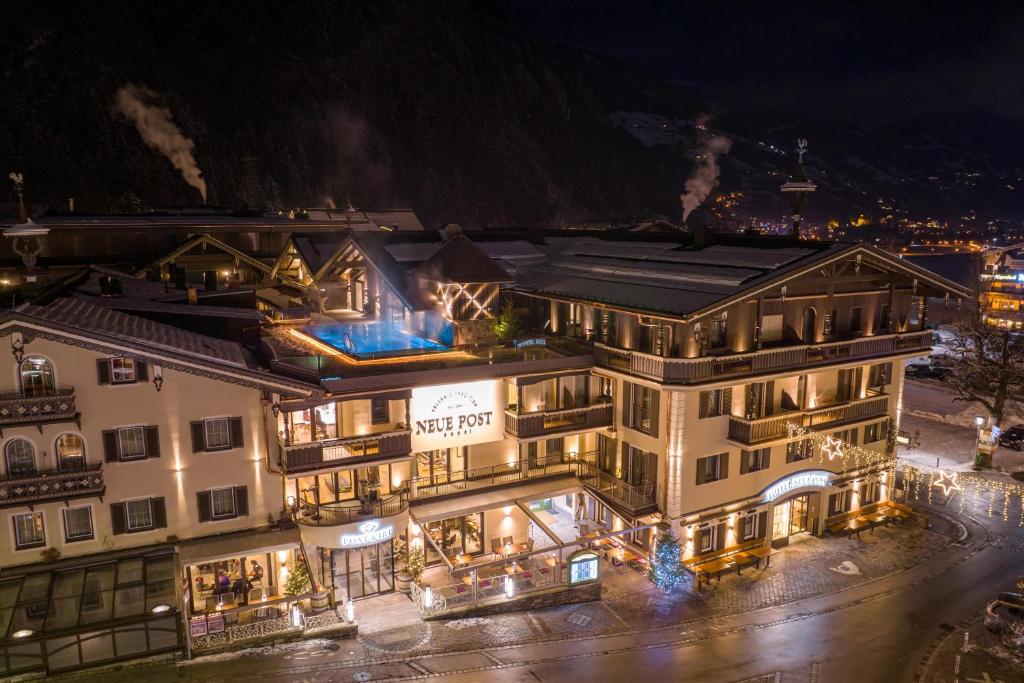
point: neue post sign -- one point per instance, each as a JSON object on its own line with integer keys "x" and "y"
{"x": 456, "y": 415}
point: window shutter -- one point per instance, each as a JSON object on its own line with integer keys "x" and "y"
{"x": 117, "y": 519}
{"x": 887, "y": 373}
{"x": 103, "y": 370}
{"x": 726, "y": 401}
{"x": 762, "y": 524}
{"x": 110, "y": 452}
{"x": 704, "y": 396}
{"x": 698, "y": 541}
{"x": 767, "y": 457}
{"x": 720, "y": 537}
{"x": 242, "y": 501}
{"x": 203, "y": 503}
{"x": 627, "y": 402}
{"x": 849, "y": 502}
{"x": 701, "y": 470}
{"x": 141, "y": 371}
{"x": 159, "y": 512}
{"x": 198, "y": 437}
{"x": 236, "y": 432}
{"x": 854, "y": 433}
{"x": 883, "y": 430}
{"x": 723, "y": 468}
{"x": 832, "y": 503}
{"x": 152, "y": 442}
{"x": 858, "y": 378}
{"x": 744, "y": 462}
{"x": 769, "y": 398}
{"x": 655, "y": 395}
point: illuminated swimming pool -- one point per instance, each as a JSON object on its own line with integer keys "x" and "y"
{"x": 372, "y": 338}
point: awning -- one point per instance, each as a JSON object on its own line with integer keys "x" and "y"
{"x": 228, "y": 546}
{"x": 429, "y": 510}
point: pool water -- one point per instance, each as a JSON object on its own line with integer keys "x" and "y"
{"x": 372, "y": 338}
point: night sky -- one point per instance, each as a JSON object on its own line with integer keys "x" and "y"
{"x": 871, "y": 63}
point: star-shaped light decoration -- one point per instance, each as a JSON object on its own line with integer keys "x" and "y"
{"x": 947, "y": 481}
{"x": 833, "y": 448}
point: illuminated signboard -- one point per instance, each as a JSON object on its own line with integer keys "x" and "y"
{"x": 814, "y": 479}
{"x": 456, "y": 415}
{"x": 368, "y": 533}
{"x": 583, "y": 567}
{"x": 1009, "y": 277}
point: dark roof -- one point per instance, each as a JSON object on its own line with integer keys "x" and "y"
{"x": 78, "y": 313}
{"x": 962, "y": 268}
{"x": 459, "y": 260}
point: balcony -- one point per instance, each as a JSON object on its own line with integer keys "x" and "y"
{"x": 525, "y": 425}
{"x": 713, "y": 368}
{"x": 334, "y": 452}
{"x": 753, "y": 432}
{"x": 633, "y": 499}
{"x": 339, "y": 514}
{"x": 51, "y": 485}
{"x": 494, "y": 475}
{"x": 58, "y": 406}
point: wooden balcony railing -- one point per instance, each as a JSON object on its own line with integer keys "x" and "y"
{"x": 751, "y": 432}
{"x": 633, "y": 498}
{"x": 329, "y": 453}
{"x": 57, "y": 406}
{"x": 710, "y": 368}
{"x": 524, "y": 425}
{"x": 51, "y": 485}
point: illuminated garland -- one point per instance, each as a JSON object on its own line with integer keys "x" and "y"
{"x": 840, "y": 456}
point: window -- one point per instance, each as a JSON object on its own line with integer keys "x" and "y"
{"x": 706, "y": 539}
{"x": 78, "y": 524}
{"x": 29, "y": 531}
{"x": 70, "y": 453}
{"x": 715, "y": 402}
{"x": 642, "y": 408}
{"x": 848, "y": 436}
{"x": 748, "y": 529}
{"x": 856, "y": 324}
{"x": 839, "y": 503}
{"x": 217, "y": 434}
{"x": 755, "y": 461}
{"x": 139, "y": 514}
{"x": 21, "y": 458}
{"x": 379, "y": 411}
{"x": 870, "y": 493}
{"x": 222, "y": 503}
{"x": 875, "y": 432}
{"x": 554, "y": 449}
{"x": 122, "y": 370}
{"x": 131, "y": 442}
{"x": 879, "y": 375}
{"x": 226, "y": 502}
{"x": 37, "y": 377}
{"x": 798, "y": 450}
{"x": 712, "y": 468}
{"x": 771, "y": 328}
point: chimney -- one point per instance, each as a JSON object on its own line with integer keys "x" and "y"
{"x": 699, "y": 224}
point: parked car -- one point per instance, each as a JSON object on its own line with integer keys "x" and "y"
{"x": 925, "y": 371}
{"x": 1013, "y": 438}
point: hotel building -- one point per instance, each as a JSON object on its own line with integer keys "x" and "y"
{"x": 496, "y": 402}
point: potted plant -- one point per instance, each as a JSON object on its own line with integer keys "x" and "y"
{"x": 415, "y": 563}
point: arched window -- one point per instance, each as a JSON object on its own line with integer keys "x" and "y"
{"x": 21, "y": 458}
{"x": 70, "y": 452}
{"x": 37, "y": 376}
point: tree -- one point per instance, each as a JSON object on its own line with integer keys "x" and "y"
{"x": 416, "y": 562}
{"x": 506, "y": 324}
{"x": 988, "y": 368}
{"x": 666, "y": 571}
{"x": 297, "y": 582}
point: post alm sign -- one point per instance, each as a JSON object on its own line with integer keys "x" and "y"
{"x": 456, "y": 415}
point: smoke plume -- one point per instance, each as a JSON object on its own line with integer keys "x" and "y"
{"x": 156, "y": 126}
{"x": 705, "y": 176}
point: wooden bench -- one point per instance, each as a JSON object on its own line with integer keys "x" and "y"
{"x": 693, "y": 564}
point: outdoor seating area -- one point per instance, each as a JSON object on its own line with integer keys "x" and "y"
{"x": 712, "y": 565}
{"x": 851, "y": 524}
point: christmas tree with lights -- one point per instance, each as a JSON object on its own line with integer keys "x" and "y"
{"x": 666, "y": 571}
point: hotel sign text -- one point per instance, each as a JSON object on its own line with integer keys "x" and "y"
{"x": 453, "y": 415}
{"x": 815, "y": 479}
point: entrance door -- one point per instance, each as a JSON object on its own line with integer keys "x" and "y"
{"x": 360, "y": 572}
{"x": 798, "y": 515}
{"x": 789, "y": 518}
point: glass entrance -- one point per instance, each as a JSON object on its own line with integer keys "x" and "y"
{"x": 359, "y": 572}
{"x": 790, "y": 517}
